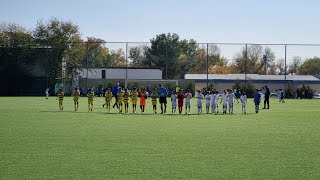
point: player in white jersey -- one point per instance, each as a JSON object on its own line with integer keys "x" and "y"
{"x": 207, "y": 97}
{"x": 213, "y": 102}
{"x": 199, "y": 97}
{"x": 231, "y": 97}
{"x": 224, "y": 101}
{"x": 188, "y": 97}
{"x": 243, "y": 99}
{"x": 174, "y": 101}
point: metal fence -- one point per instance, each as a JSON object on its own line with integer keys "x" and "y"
{"x": 174, "y": 60}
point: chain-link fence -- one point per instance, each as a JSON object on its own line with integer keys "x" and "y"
{"x": 29, "y": 71}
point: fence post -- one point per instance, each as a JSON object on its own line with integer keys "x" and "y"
{"x": 166, "y": 59}
{"x": 126, "y": 81}
{"x": 207, "y": 66}
{"x": 245, "y": 66}
{"x": 285, "y": 68}
{"x": 87, "y": 65}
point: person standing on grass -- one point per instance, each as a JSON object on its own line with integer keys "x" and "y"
{"x": 134, "y": 99}
{"x": 231, "y": 97}
{"x": 180, "y": 100}
{"x": 163, "y": 93}
{"x": 199, "y": 97}
{"x": 108, "y": 98}
{"x": 243, "y": 99}
{"x": 60, "y": 97}
{"x": 188, "y": 97}
{"x": 213, "y": 102}
{"x": 257, "y": 98}
{"x": 224, "y": 101}
{"x": 154, "y": 97}
{"x": 281, "y": 96}
{"x": 266, "y": 98}
{"x": 143, "y": 98}
{"x": 238, "y": 94}
{"x": 115, "y": 91}
{"x": 126, "y": 96}
{"x": 174, "y": 101}
{"x": 120, "y": 100}
{"x": 90, "y": 96}
{"x": 207, "y": 97}
{"x": 47, "y": 92}
{"x": 76, "y": 96}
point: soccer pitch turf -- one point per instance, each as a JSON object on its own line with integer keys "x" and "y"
{"x": 39, "y": 142}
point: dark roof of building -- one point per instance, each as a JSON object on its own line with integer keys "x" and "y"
{"x": 253, "y": 77}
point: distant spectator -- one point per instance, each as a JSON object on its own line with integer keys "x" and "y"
{"x": 47, "y": 92}
{"x": 257, "y": 97}
{"x": 266, "y": 98}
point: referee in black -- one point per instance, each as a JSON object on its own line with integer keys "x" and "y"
{"x": 266, "y": 97}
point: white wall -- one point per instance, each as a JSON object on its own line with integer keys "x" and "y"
{"x": 121, "y": 73}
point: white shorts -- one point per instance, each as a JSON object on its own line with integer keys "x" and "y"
{"x": 174, "y": 104}
{"x": 188, "y": 103}
{"x": 199, "y": 104}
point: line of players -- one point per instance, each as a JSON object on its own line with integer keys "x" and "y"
{"x": 227, "y": 100}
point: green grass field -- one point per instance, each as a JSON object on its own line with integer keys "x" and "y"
{"x": 39, "y": 142}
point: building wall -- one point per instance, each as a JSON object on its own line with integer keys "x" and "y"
{"x": 121, "y": 73}
{"x": 272, "y": 86}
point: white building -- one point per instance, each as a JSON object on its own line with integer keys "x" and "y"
{"x": 121, "y": 73}
{"x": 274, "y": 82}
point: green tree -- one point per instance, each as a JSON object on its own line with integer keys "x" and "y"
{"x": 215, "y": 61}
{"x": 96, "y": 54}
{"x": 16, "y": 44}
{"x": 311, "y": 66}
{"x": 169, "y": 53}
{"x": 137, "y": 56}
{"x": 16, "y": 53}
{"x": 61, "y": 36}
{"x": 116, "y": 58}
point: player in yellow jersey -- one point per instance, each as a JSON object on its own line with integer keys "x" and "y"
{"x": 108, "y": 98}
{"x": 76, "y": 95}
{"x": 120, "y": 100}
{"x": 60, "y": 96}
{"x": 126, "y": 100}
{"x": 154, "y": 97}
{"x": 90, "y": 96}
{"x": 134, "y": 98}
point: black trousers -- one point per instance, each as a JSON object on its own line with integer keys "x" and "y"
{"x": 116, "y": 103}
{"x": 266, "y": 101}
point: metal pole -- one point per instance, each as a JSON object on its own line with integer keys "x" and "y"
{"x": 166, "y": 60}
{"x": 87, "y": 65}
{"x": 126, "y": 81}
{"x": 285, "y": 67}
{"x": 245, "y": 66}
{"x": 207, "y": 66}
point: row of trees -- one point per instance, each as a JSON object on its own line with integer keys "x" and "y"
{"x": 64, "y": 47}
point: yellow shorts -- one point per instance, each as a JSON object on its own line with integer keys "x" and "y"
{"x": 90, "y": 101}
{"x": 76, "y": 99}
